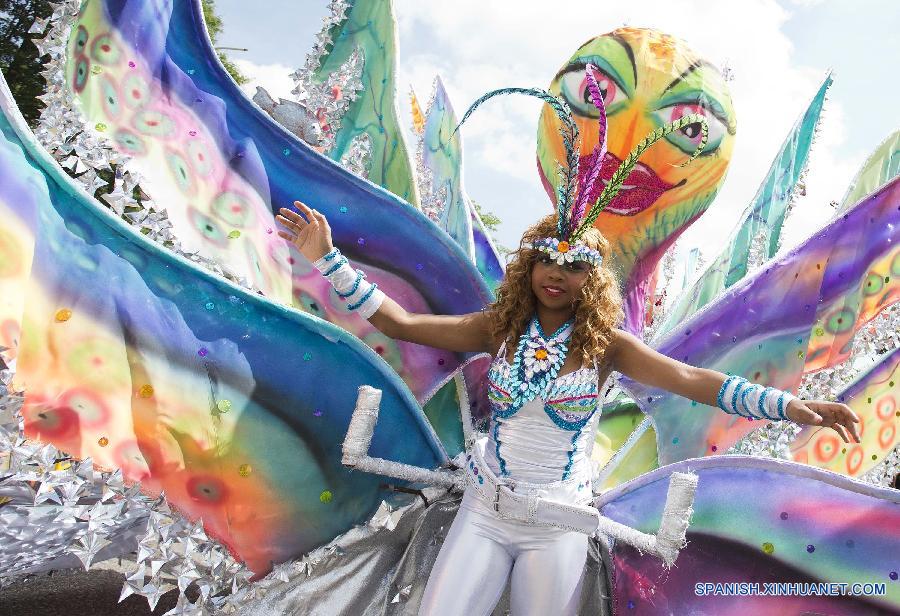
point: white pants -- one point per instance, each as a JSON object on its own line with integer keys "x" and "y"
{"x": 480, "y": 553}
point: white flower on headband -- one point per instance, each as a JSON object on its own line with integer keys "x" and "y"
{"x": 566, "y": 252}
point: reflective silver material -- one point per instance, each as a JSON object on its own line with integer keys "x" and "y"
{"x": 329, "y": 100}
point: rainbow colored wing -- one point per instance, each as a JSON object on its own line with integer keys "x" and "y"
{"x": 369, "y": 29}
{"x": 135, "y": 357}
{"x": 145, "y": 73}
{"x": 882, "y": 166}
{"x": 778, "y": 307}
{"x": 440, "y": 161}
{"x": 838, "y": 320}
{"x": 487, "y": 257}
{"x": 760, "y": 521}
{"x": 442, "y": 157}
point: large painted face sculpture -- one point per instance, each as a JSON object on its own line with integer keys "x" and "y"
{"x": 647, "y": 79}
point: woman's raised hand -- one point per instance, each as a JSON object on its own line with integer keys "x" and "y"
{"x": 310, "y": 233}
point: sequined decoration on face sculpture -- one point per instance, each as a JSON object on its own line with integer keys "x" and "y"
{"x": 647, "y": 79}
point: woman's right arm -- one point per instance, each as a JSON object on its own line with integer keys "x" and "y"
{"x": 465, "y": 332}
{"x": 311, "y": 235}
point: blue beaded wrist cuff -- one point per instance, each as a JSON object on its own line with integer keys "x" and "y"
{"x": 744, "y": 401}
{"x": 363, "y": 299}
{"x": 752, "y": 400}
{"x": 359, "y": 277}
{"x": 737, "y": 390}
{"x": 781, "y": 406}
{"x": 719, "y": 398}
{"x": 335, "y": 267}
{"x": 761, "y": 406}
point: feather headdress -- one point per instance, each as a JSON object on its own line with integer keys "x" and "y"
{"x": 574, "y": 213}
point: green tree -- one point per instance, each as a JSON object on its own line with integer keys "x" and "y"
{"x": 491, "y": 223}
{"x": 214, "y": 26}
{"x": 20, "y": 60}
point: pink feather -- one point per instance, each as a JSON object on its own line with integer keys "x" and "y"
{"x": 589, "y": 170}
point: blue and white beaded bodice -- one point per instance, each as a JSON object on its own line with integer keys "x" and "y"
{"x": 541, "y": 434}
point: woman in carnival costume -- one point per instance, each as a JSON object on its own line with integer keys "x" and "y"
{"x": 553, "y": 332}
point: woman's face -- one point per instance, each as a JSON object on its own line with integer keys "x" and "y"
{"x": 556, "y": 287}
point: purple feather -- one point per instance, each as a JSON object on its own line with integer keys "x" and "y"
{"x": 597, "y": 99}
{"x": 591, "y": 164}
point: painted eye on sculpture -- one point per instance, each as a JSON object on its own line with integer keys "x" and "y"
{"x": 574, "y": 88}
{"x": 688, "y": 138}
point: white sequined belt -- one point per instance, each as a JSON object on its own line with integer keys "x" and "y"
{"x": 531, "y": 503}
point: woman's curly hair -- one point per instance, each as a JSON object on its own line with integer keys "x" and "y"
{"x": 597, "y": 312}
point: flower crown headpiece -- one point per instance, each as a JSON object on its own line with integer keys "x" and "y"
{"x": 573, "y": 216}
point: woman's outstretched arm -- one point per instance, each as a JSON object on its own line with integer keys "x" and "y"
{"x": 641, "y": 363}
{"x": 465, "y": 332}
{"x": 311, "y": 235}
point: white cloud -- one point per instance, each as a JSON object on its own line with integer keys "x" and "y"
{"x": 273, "y": 77}
{"x": 478, "y": 46}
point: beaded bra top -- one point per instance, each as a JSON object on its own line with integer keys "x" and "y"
{"x": 570, "y": 400}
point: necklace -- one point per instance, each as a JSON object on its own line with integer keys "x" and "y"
{"x": 537, "y": 360}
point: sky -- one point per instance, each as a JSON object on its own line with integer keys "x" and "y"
{"x": 779, "y": 53}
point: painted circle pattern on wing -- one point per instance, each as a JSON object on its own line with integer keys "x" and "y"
{"x": 827, "y": 447}
{"x": 135, "y": 461}
{"x": 136, "y": 92}
{"x": 387, "y": 349}
{"x": 49, "y": 422}
{"x": 233, "y": 208}
{"x": 98, "y": 363}
{"x": 309, "y": 303}
{"x": 92, "y": 411}
{"x": 207, "y": 490}
{"x": 207, "y": 227}
{"x": 854, "y": 460}
{"x": 181, "y": 172}
{"x": 130, "y": 143}
{"x": 840, "y": 321}
{"x": 104, "y": 50}
{"x": 200, "y": 157}
{"x": 82, "y": 72}
{"x": 80, "y": 40}
{"x": 110, "y": 97}
{"x": 154, "y": 123}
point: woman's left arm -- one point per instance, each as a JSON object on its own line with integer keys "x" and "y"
{"x": 639, "y": 362}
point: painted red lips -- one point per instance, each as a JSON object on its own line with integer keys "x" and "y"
{"x": 639, "y": 191}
